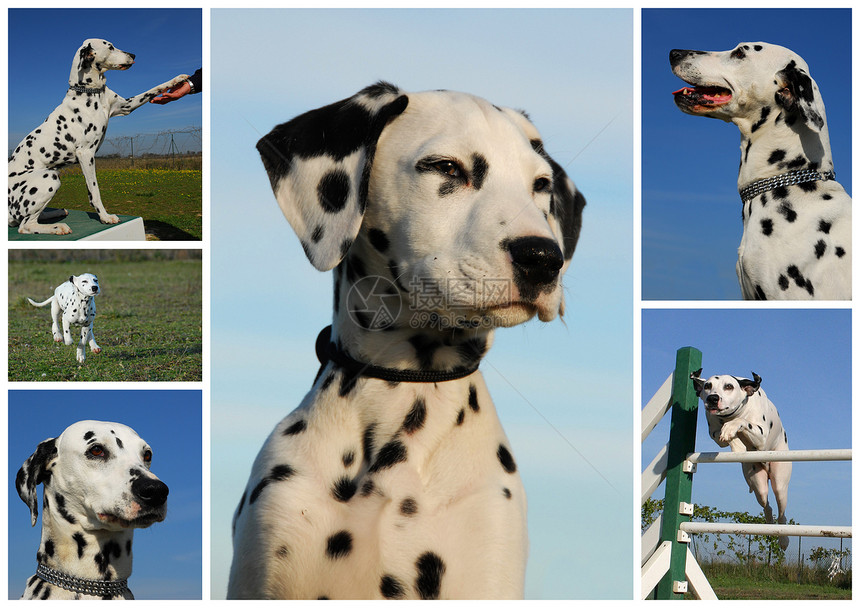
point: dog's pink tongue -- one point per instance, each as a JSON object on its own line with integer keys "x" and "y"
{"x": 713, "y": 94}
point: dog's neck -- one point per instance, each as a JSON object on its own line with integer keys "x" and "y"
{"x": 771, "y": 146}
{"x": 88, "y": 554}
{"x": 395, "y": 330}
{"x": 91, "y": 77}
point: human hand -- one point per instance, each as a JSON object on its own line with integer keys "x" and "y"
{"x": 173, "y": 94}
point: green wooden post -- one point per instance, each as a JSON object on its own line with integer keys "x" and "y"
{"x": 679, "y": 485}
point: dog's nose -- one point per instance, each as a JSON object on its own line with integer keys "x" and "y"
{"x": 131, "y": 55}
{"x": 676, "y": 55}
{"x": 149, "y": 492}
{"x": 95, "y": 288}
{"x": 713, "y": 400}
{"x": 538, "y": 259}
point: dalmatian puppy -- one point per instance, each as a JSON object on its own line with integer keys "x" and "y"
{"x": 741, "y": 416}
{"x": 73, "y": 303}
{"x": 796, "y": 242}
{"x": 98, "y": 489}
{"x": 72, "y": 133}
{"x": 443, "y": 218}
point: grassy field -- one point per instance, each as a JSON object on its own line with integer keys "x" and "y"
{"x": 170, "y": 200}
{"x": 775, "y": 582}
{"x": 148, "y": 323}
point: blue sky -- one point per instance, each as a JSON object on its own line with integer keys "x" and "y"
{"x": 269, "y": 304}
{"x": 168, "y": 555}
{"x": 691, "y": 225}
{"x": 804, "y": 360}
{"x": 166, "y": 42}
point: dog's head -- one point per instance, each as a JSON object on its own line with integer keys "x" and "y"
{"x": 451, "y": 200}
{"x": 101, "y": 56}
{"x": 724, "y": 395}
{"x": 86, "y": 284}
{"x": 96, "y": 475}
{"x": 737, "y": 85}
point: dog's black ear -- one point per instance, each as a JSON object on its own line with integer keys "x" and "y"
{"x": 798, "y": 94}
{"x": 319, "y": 166}
{"x": 86, "y": 56}
{"x": 566, "y": 203}
{"x": 698, "y": 383}
{"x": 750, "y": 386}
{"x": 72, "y": 279}
{"x": 35, "y": 470}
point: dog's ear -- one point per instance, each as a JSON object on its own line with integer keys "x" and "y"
{"x": 566, "y": 203}
{"x": 72, "y": 279}
{"x": 750, "y": 386}
{"x": 698, "y": 383}
{"x": 86, "y": 56}
{"x": 799, "y": 95}
{"x": 35, "y": 470}
{"x": 319, "y": 166}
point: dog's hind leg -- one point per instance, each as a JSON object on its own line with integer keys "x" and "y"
{"x": 780, "y": 474}
{"x": 56, "y": 320}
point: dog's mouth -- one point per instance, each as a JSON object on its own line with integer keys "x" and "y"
{"x": 511, "y": 313}
{"x": 701, "y": 99}
{"x": 142, "y": 521}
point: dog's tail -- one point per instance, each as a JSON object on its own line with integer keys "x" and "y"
{"x": 45, "y": 303}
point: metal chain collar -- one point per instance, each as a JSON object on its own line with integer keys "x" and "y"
{"x": 79, "y": 89}
{"x": 791, "y": 178}
{"x": 86, "y": 586}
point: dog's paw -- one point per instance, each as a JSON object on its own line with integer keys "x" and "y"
{"x": 729, "y": 431}
{"x": 61, "y": 229}
{"x": 96, "y": 349}
{"x": 58, "y": 338}
{"x": 109, "y": 219}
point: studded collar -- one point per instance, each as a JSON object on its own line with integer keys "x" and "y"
{"x": 82, "y": 89}
{"x": 86, "y": 586}
{"x": 801, "y": 176}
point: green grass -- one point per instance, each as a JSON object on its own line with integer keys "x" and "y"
{"x": 169, "y": 201}
{"x": 775, "y": 582}
{"x": 148, "y": 322}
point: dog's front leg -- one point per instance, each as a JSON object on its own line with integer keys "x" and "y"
{"x": 86, "y": 158}
{"x": 753, "y": 435}
{"x": 123, "y": 107}
{"x": 81, "y": 351}
{"x": 91, "y": 338}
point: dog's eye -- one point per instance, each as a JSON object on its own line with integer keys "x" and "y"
{"x": 448, "y": 167}
{"x": 738, "y": 53}
{"x": 147, "y": 456}
{"x": 542, "y": 184}
{"x": 729, "y": 387}
{"x": 97, "y": 451}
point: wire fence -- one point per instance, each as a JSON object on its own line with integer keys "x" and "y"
{"x": 172, "y": 148}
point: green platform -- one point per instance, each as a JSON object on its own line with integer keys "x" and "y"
{"x": 87, "y": 227}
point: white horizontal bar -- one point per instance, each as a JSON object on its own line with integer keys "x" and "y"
{"x": 695, "y": 527}
{"x": 773, "y": 456}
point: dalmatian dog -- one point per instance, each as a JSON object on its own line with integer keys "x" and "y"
{"x": 796, "y": 242}
{"x": 741, "y": 416}
{"x": 443, "y": 218}
{"x": 72, "y": 133}
{"x": 97, "y": 489}
{"x": 73, "y": 304}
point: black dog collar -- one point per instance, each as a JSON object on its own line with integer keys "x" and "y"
{"x": 328, "y": 351}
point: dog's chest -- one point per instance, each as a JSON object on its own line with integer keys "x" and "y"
{"x": 386, "y": 479}
{"x": 78, "y": 311}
